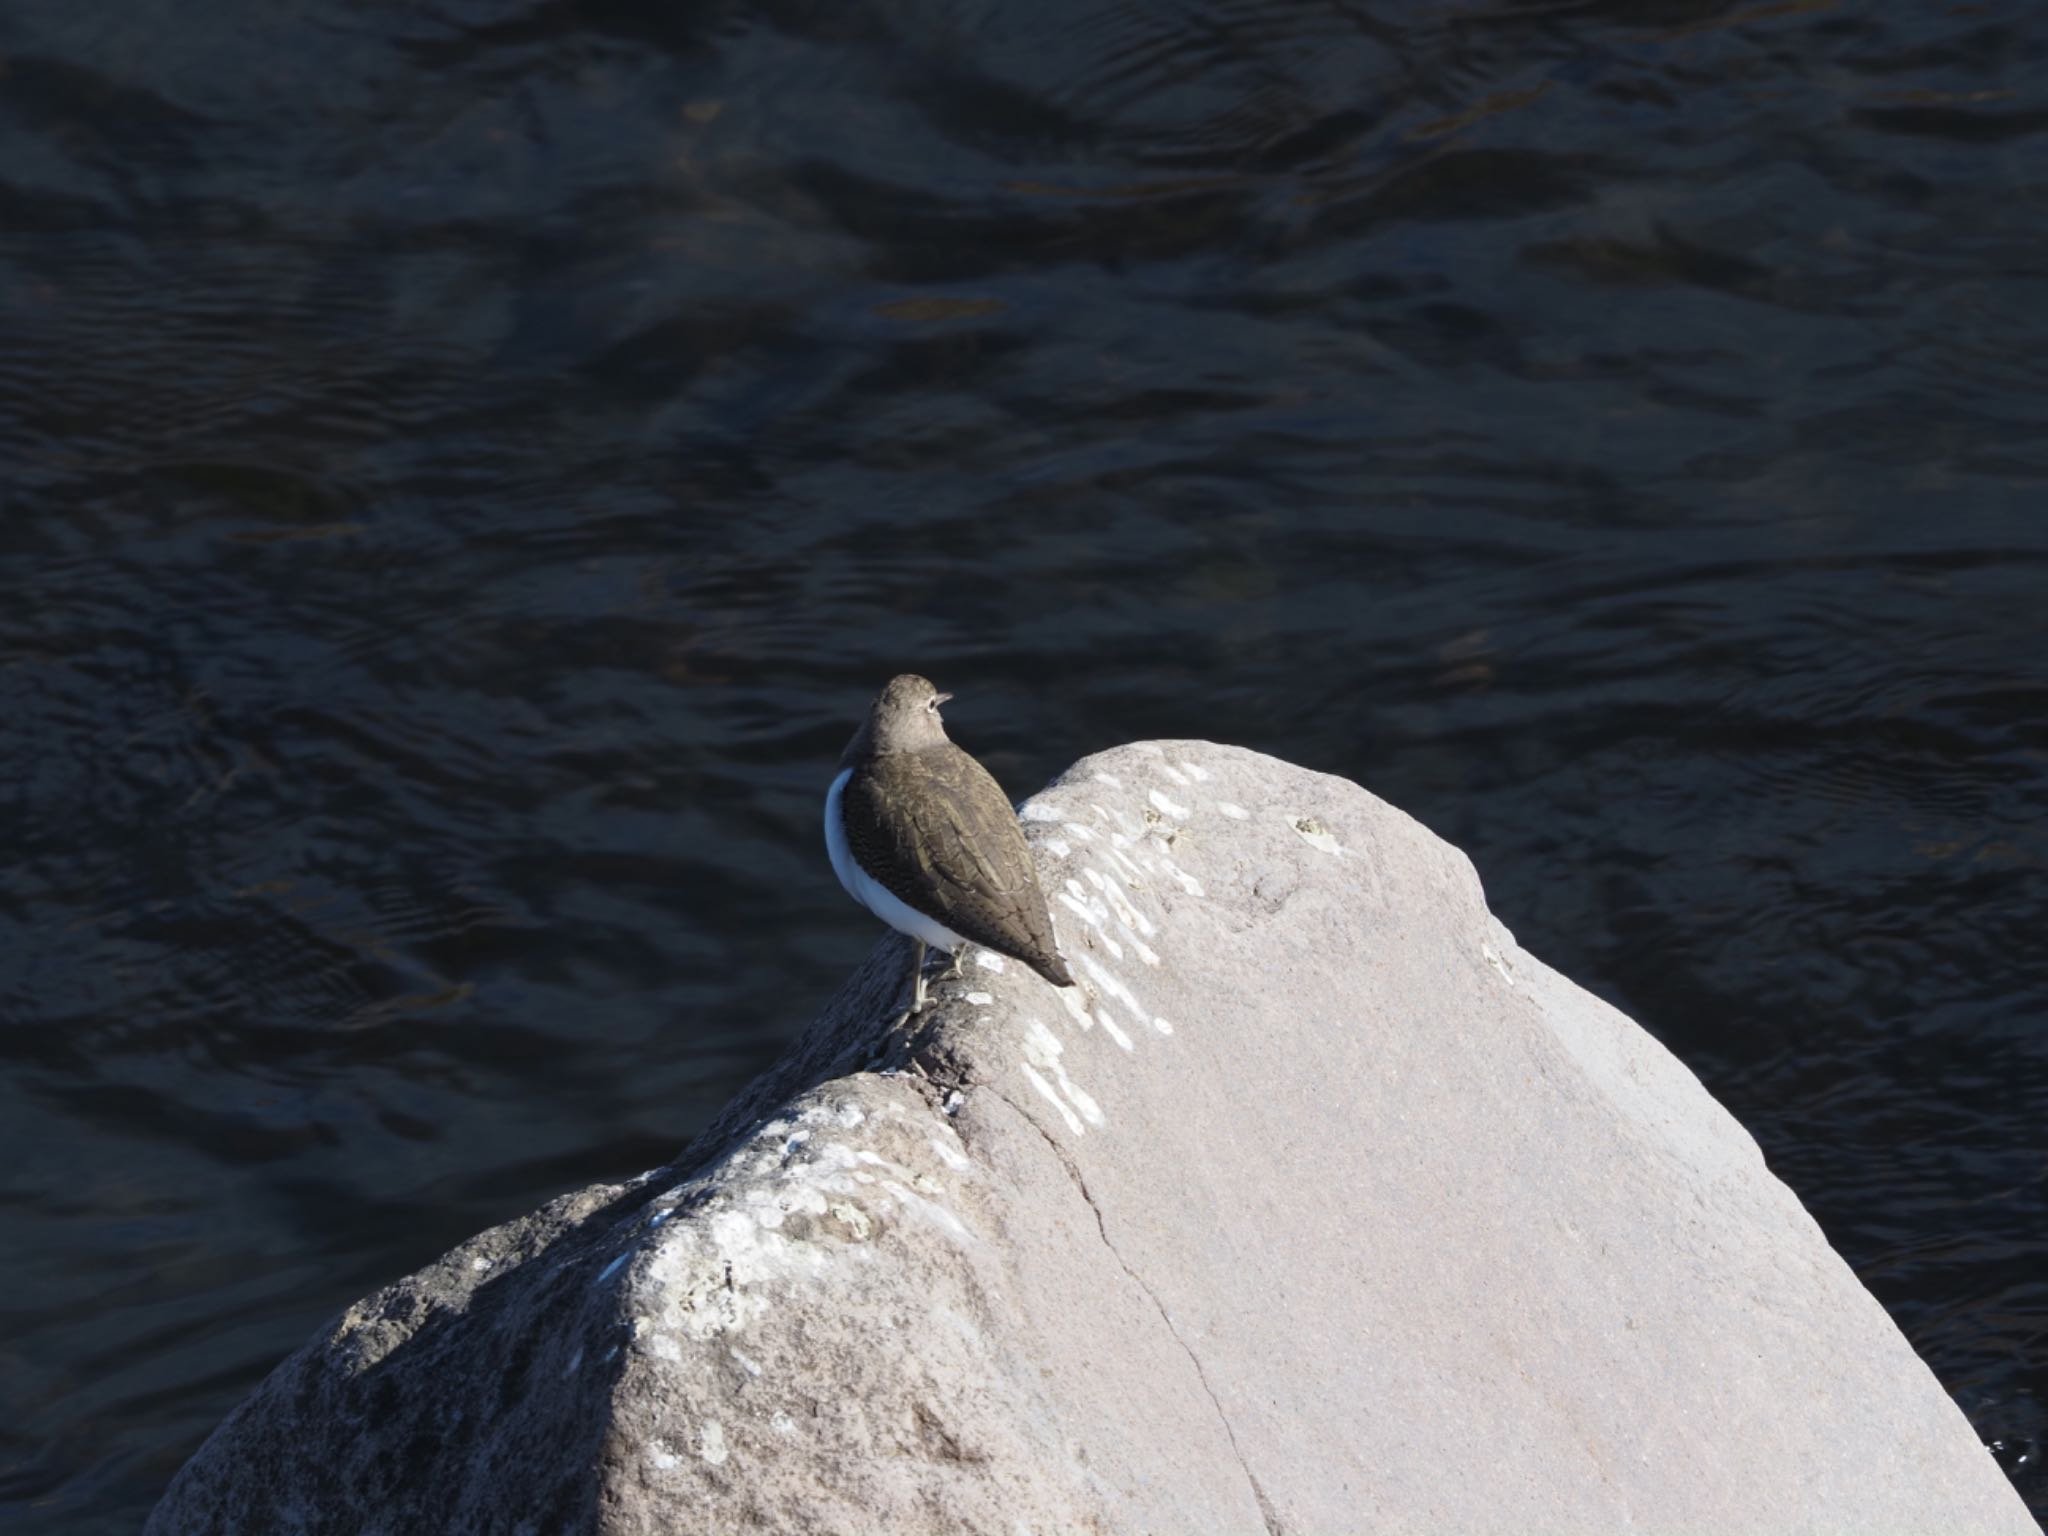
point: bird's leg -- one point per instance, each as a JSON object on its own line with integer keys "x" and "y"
{"x": 917, "y": 976}
{"x": 959, "y": 959}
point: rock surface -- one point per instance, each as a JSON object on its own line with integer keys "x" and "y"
{"x": 1327, "y": 1209}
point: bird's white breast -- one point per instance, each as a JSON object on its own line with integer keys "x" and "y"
{"x": 869, "y": 893}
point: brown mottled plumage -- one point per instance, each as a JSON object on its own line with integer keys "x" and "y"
{"x": 931, "y": 826}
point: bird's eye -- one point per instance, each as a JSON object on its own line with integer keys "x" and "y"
{"x": 932, "y": 705}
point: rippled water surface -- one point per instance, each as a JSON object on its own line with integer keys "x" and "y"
{"x": 464, "y": 466}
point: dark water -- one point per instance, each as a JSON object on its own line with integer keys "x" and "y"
{"x": 464, "y": 466}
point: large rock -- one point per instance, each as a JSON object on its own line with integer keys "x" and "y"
{"x": 1327, "y": 1209}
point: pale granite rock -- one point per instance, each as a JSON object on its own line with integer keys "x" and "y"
{"x": 1327, "y": 1209}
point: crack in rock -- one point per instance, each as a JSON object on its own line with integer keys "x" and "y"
{"x": 1266, "y": 1511}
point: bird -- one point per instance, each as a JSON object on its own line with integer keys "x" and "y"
{"x": 923, "y": 836}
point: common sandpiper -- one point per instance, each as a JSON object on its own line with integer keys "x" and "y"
{"x": 923, "y": 837}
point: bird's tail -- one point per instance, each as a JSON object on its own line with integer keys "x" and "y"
{"x": 1053, "y": 968}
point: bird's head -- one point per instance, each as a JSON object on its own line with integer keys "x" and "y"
{"x": 905, "y": 716}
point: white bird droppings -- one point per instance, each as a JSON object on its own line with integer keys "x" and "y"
{"x": 659, "y": 1453}
{"x": 1059, "y": 845}
{"x": 1110, "y": 983}
{"x": 1134, "y": 877}
{"x": 987, "y": 961}
{"x": 1233, "y": 810}
{"x": 1315, "y": 834}
{"x": 1043, "y": 1048}
{"x": 1110, "y": 779}
{"x": 1196, "y": 771}
{"x": 1070, "y": 998}
{"x": 1109, "y": 1027}
{"x": 981, "y": 999}
{"x": 1174, "y": 774}
{"x": 1159, "y": 799}
{"x": 1130, "y": 824}
{"x": 931, "y": 1210}
{"x": 952, "y": 1157}
{"x": 1076, "y": 830}
{"x": 1161, "y": 1025}
{"x": 1126, "y": 914}
{"x": 712, "y": 1442}
{"x": 1036, "y": 811}
{"x": 1045, "y": 1092}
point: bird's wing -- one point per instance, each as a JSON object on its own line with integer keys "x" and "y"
{"x": 939, "y": 834}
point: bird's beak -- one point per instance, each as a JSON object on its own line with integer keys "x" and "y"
{"x": 941, "y": 698}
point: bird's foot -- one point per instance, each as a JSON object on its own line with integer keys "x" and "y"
{"x": 920, "y": 997}
{"x": 912, "y": 1014}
